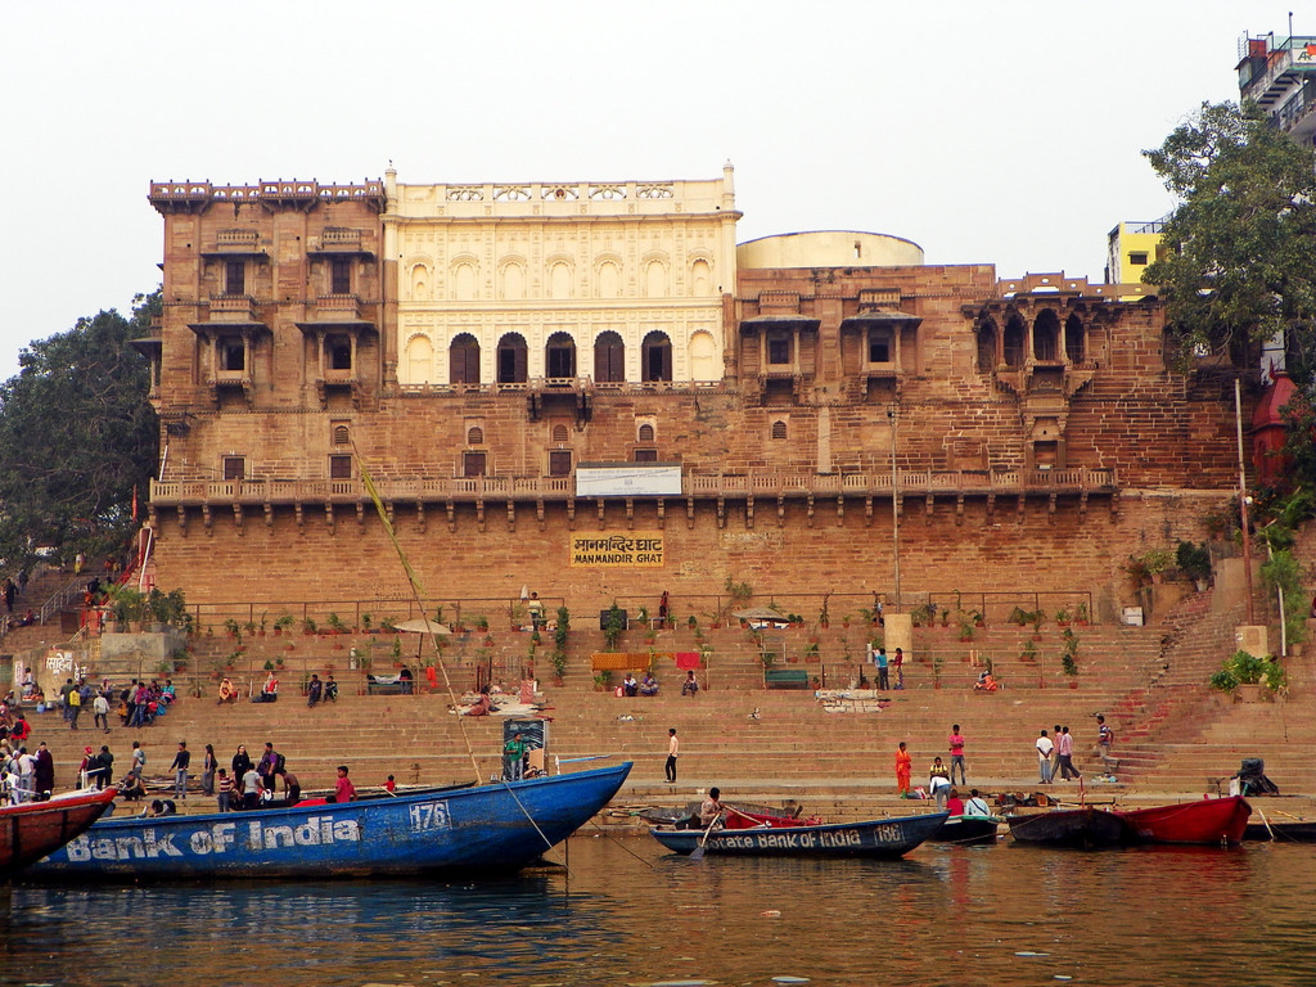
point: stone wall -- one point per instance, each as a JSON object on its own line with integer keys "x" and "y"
{"x": 1012, "y": 552}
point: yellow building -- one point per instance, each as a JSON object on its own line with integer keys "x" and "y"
{"x": 1131, "y": 248}
{"x": 564, "y": 284}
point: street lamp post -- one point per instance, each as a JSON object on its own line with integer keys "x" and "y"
{"x": 895, "y": 509}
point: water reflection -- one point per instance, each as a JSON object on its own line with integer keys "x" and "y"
{"x": 965, "y": 915}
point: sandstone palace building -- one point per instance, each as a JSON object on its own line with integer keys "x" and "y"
{"x": 591, "y": 388}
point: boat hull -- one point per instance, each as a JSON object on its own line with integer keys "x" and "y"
{"x": 485, "y": 829}
{"x": 1205, "y": 821}
{"x": 33, "y": 829}
{"x": 1082, "y": 828}
{"x": 967, "y": 830}
{"x": 877, "y": 838}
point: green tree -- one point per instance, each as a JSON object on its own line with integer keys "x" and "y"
{"x": 1241, "y": 268}
{"x": 76, "y": 435}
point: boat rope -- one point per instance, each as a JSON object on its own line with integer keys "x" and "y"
{"x": 619, "y": 843}
{"x": 526, "y": 812}
{"x": 417, "y": 593}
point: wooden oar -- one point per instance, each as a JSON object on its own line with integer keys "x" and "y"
{"x": 1267, "y": 822}
{"x": 698, "y": 852}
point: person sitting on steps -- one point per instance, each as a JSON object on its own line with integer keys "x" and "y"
{"x": 690, "y": 686}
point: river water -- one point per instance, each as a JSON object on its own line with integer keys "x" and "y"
{"x": 626, "y": 912}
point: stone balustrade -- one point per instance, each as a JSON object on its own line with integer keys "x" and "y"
{"x": 764, "y": 483}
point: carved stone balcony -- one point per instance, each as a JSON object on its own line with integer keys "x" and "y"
{"x": 233, "y": 309}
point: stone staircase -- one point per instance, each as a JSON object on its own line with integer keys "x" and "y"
{"x": 1150, "y": 683}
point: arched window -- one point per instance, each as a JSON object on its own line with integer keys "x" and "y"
{"x": 702, "y": 281}
{"x": 559, "y": 280}
{"x": 655, "y": 279}
{"x": 779, "y": 429}
{"x": 656, "y": 357}
{"x": 559, "y": 433}
{"x": 703, "y": 357}
{"x": 609, "y": 280}
{"x": 986, "y": 346}
{"x": 609, "y": 358}
{"x": 560, "y": 356}
{"x": 463, "y": 282}
{"x": 1015, "y": 333}
{"x": 1075, "y": 349}
{"x": 513, "y": 282}
{"x": 420, "y": 360}
{"x": 1046, "y": 336}
{"x": 475, "y": 436}
{"x": 420, "y": 282}
{"x": 464, "y": 360}
{"x": 512, "y": 359}
{"x": 341, "y": 435}
{"x": 646, "y": 433}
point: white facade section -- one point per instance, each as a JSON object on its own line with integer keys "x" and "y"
{"x": 602, "y": 282}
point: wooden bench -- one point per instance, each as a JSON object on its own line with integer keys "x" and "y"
{"x": 785, "y": 678}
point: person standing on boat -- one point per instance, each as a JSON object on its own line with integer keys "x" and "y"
{"x": 513, "y": 758}
{"x": 45, "y": 772}
{"x": 179, "y": 766}
{"x": 344, "y": 790}
{"x": 250, "y": 788}
{"x": 956, "y": 742}
{"x": 1065, "y": 753}
{"x": 904, "y": 765}
{"x": 673, "y": 751}
{"x": 270, "y": 764}
{"x": 1044, "y": 747}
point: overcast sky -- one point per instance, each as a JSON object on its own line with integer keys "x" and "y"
{"x": 1005, "y": 133}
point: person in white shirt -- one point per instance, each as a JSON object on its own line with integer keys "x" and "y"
{"x": 977, "y": 805}
{"x": 1044, "y": 748}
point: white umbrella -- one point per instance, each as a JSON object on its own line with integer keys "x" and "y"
{"x": 422, "y": 625}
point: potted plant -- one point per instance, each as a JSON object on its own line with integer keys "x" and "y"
{"x": 603, "y": 681}
{"x": 1249, "y": 678}
{"x": 1069, "y": 656}
{"x": 1194, "y": 561}
{"x": 282, "y": 623}
{"x": 559, "y": 661}
{"x": 1081, "y": 616}
{"x": 614, "y": 622}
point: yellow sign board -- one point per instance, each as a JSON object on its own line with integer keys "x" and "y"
{"x": 634, "y": 550}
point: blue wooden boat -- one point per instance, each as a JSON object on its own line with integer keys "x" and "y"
{"x": 880, "y": 838}
{"x": 492, "y": 828}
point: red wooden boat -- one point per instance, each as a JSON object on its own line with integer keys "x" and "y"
{"x": 1209, "y": 821}
{"x": 31, "y": 830}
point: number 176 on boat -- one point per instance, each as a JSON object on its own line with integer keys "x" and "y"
{"x": 427, "y": 816}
